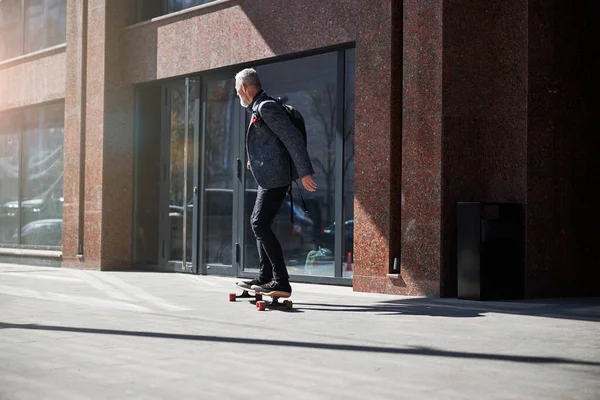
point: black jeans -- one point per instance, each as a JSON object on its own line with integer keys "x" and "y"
{"x": 267, "y": 205}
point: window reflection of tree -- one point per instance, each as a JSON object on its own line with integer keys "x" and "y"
{"x": 323, "y": 153}
{"x": 31, "y": 187}
{"x": 45, "y": 24}
{"x": 324, "y": 111}
{"x": 43, "y": 164}
{"x": 218, "y": 134}
{"x": 10, "y": 26}
{"x": 177, "y": 113}
{"x": 178, "y": 5}
{"x": 9, "y": 178}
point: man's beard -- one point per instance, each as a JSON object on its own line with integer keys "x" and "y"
{"x": 243, "y": 103}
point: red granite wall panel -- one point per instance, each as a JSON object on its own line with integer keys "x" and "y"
{"x": 33, "y": 79}
{"x": 563, "y": 147}
{"x": 375, "y": 143}
{"x": 237, "y": 32}
{"x": 117, "y": 193}
{"x": 484, "y": 112}
{"x": 421, "y": 146}
{"x": 74, "y": 132}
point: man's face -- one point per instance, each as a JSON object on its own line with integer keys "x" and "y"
{"x": 242, "y": 92}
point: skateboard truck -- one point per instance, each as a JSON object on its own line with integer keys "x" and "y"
{"x": 262, "y": 305}
{"x": 245, "y": 295}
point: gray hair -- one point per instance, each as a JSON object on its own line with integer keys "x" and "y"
{"x": 248, "y": 76}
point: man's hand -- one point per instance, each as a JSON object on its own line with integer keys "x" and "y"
{"x": 248, "y": 165}
{"x": 309, "y": 183}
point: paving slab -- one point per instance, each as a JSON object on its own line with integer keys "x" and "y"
{"x": 72, "y": 334}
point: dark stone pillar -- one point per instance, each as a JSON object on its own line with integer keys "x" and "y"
{"x": 484, "y": 112}
{"x": 563, "y": 148}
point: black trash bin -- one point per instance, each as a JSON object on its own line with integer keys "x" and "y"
{"x": 491, "y": 257}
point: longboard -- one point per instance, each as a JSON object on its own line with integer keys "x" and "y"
{"x": 261, "y": 305}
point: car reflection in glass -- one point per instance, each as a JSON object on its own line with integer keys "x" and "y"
{"x": 329, "y": 235}
{"x": 42, "y": 232}
{"x": 296, "y": 239}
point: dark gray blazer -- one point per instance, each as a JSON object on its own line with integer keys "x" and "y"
{"x": 271, "y": 140}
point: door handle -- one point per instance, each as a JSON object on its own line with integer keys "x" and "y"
{"x": 239, "y": 168}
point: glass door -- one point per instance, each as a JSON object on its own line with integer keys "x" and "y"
{"x": 222, "y": 133}
{"x": 179, "y": 177}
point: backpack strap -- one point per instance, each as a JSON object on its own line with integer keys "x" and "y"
{"x": 256, "y": 109}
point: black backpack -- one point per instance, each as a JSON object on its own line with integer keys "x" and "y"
{"x": 296, "y": 118}
{"x": 298, "y": 121}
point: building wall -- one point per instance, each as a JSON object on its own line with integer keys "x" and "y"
{"x": 33, "y": 79}
{"x": 484, "y": 114}
{"x": 456, "y": 100}
{"x": 563, "y": 147}
{"x": 29, "y": 83}
{"x": 255, "y": 30}
{"x": 195, "y": 41}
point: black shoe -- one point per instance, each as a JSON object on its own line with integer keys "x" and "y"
{"x": 273, "y": 286}
{"x": 253, "y": 282}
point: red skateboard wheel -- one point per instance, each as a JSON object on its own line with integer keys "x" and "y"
{"x": 232, "y": 296}
{"x": 288, "y": 304}
{"x": 261, "y": 305}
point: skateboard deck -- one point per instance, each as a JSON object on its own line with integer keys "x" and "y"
{"x": 261, "y": 305}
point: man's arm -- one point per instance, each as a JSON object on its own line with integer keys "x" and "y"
{"x": 278, "y": 120}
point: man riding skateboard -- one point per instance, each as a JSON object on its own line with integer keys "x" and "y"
{"x": 277, "y": 156}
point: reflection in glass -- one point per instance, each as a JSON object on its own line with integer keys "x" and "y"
{"x": 348, "y": 242}
{"x": 34, "y": 216}
{"x": 189, "y": 176}
{"x": 310, "y": 85}
{"x": 218, "y": 174}
{"x": 176, "y": 171}
{"x": 9, "y": 178}
{"x": 45, "y": 24}
{"x": 10, "y": 28}
{"x": 42, "y": 176}
{"x": 178, "y": 5}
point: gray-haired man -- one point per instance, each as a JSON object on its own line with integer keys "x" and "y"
{"x": 272, "y": 141}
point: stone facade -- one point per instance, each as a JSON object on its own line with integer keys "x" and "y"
{"x": 456, "y": 100}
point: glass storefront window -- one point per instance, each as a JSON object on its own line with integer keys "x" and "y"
{"x": 10, "y": 29}
{"x": 319, "y": 241}
{"x": 348, "y": 173}
{"x": 9, "y": 177}
{"x": 310, "y": 85}
{"x": 42, "y": 176}
{"x": 176, "y": 171}
{"x": 178, "y": 5}
{"x": 219, "y": 156}
{"x": 148, "y": 9}
{"x": 27, "y": 26}
{"x": 45, "y": 24}
{"x": 31, "y": 158}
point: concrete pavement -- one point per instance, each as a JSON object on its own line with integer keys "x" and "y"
{"x": 69, "y": 334}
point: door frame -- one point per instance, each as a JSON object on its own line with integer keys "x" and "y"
{"x": 238, "y": 160}
{"x": 239, "y": 233}
{"x": 164, "y": 236}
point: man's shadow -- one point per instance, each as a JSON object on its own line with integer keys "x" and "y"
{"x": 583, "y": 309}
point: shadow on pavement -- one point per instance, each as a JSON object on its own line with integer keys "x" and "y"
{"x": 411, "y": 350}
{"x": 576, "y": 309}
{"x": 30, "y": 271}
